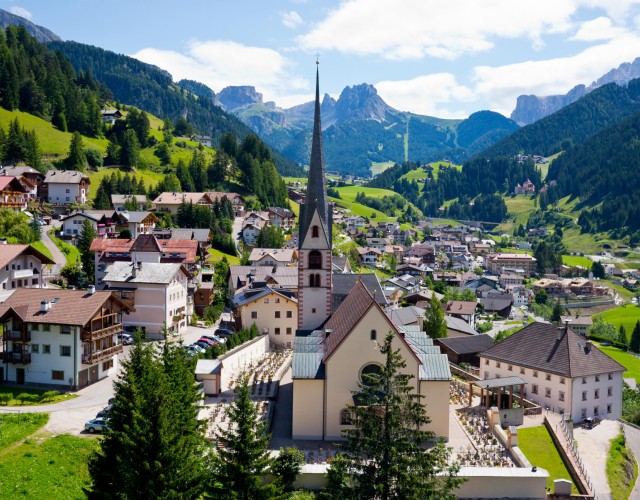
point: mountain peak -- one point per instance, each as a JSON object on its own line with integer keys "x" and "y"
{"x": 234, "y": 97}
{"x": 41, "y": 34}
{"x": 361, "y": 102}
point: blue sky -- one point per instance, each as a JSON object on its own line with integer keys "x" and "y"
{"x": 445, "y": 58}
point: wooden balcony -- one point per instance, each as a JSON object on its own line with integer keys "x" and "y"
{"x": 16, "y": 336}
{"x": 18, "y": 358}
{"x": 89, "y": 336}
{"x": 94, "y": 357}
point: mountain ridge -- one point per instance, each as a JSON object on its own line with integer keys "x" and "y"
{"x": 40, "y": 33}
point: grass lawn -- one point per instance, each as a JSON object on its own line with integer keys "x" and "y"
{"x": 536, "y": 444}
{"x": 622, "y": 291}
{"x": 149, "y": 177}
{"x": 42, "y": 248}
{"x": 358, "y": 209}
{"x": 13, "y": 395}
{"x": 622, "y": 469}
{"x": 626, "y": 359}
{"x": 626, "y": 315}
{"x": 437, "y": 221}
{"x": 378, "y": 168}
{"x": 576, "y": 260}
{"x": 70, "y": 252}
{"x": 46, "y": 469}
{"x": 15, "y": 427}
{"x": 295, "y": 208}
{"x": 216, "y": 255}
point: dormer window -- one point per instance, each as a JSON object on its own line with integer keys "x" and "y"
{"x": 315, "y": 232}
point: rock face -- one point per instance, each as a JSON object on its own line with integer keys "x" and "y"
{"x": 231, "y": 98}
{"x": 361, "y": 102}
{"x": 530, "y": 108}
{"x": 41, "y": 34}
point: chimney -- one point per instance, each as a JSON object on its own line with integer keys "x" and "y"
{"x": 44, "y": 305}
{"x": 327, "y": 332}
{"x": 421, "y": 322}
{"x": 566, "y": 325}
{"x": 91, "y": 289}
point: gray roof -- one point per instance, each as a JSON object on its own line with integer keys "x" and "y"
{"x": 149, "y": 272}
{"x": 64, "y": 177}
{"x": 459, "y": 325}
{"x": 434, "y": 367}
{"x": 201, "y": 235}
{"x": 495, "y": 303}
{"x": 134, "y": 215}
{"x": 406, "y": 315}
{"x": 494, "y": 383}
{"x": 121, "y": 198}
{"x": 251, "y": 295}
{"x": 18, "y": 171}
{"x": 208, "y": 367}
{"x": 343, "y": 283}
{"x": 307, "y": 365}
{"x": 468, "y": 345}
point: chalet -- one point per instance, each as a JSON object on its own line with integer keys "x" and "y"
{"x": 237, "y": 202}
{"x": 62, "y": 188}
{"x": 462, "y": 309}
{"x": 110, "y": 115}
{"x": 464, "y": 349}
{"x": 21, "y": 266}
{"x": 14, "y": 192}
{"x": 527, "y": 187}
{"x": 275, "y": 277}
{"x": 281, "y": 217}
{"x": 251, "y": 230}
{"x": 273, "y": 257}
{"x": 103, "y": 222}
{"x": 369, "y": 256}
{"x": 118, "y": 201}
{"x": 497, "y": 304}
{"x": 579, "y": 324}
{"x": 31, "y": 174}
{"x": 426, "y": 253}
{"x": 170, "y": 202}
{"x": 137, "y": 222}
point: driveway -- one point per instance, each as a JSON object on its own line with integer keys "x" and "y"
{"x": 633, "y": 440}
{"x": 593, "y": 446}
{"x": 236, "y": 228}
{"x": 58, "y": 256}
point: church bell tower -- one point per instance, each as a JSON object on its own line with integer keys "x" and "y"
{"x": 315, "y": 241}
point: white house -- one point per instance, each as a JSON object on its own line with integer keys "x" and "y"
{"x": 118, "y": 201}
{"x": 273, "y": 257}
{"x": 61, "y": 337}
{"x": 369, "y": 256}
{"x": 21, "y": 266}
{"x": 137, "y": 222}
{"x": 63, "y": 187}
{"x": 158, "y": 292}
{"x": 101, "y": 220}
{"x": 562, "y": 371}
{"x": 251, "y": 231}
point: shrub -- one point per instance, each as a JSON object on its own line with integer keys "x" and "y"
{"x": 5, "y": 398}
{"x": 49, "y": 395}
{"x": 25, "y": 397}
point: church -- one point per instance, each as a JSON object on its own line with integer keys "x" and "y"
{"x": 333, "y": 348}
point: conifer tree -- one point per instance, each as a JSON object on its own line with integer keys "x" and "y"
{"x": 85, "y": 238}
{"x": 130, "y": 149}
{"x": 76, "y": 160}
{"x": 634, "y": 345}
{"x": 184, "y": 176}
{"x": 239, "y": 465}
{"x": 434, "y": 322}
{"x": 101, "y": 201}
{"x": 622, "y": 335}
{"x": 556, "y": 313}
{"x": 384, "y": 450}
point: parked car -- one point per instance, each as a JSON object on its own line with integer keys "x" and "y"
{"x": 590, "y": 422}
{"x": 97, "y": 425}
{"x": 207, "y": 341}
{"x": 203, "y": 345}
{"x": 214, "y": 338}
{"x": 196, "y": 349}
{"x": 223, "y": 331}
{"x": 125, "y": 338}
{"x": 104, "y": 413}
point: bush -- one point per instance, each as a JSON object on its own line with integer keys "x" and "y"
{"x": 25, "y": 397}
{"x": 5, "y": 398}
{"x": 94, "y": 158}
{"x": 49, "y": 395}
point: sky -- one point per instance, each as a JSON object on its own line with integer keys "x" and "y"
{"x": 444, "y": 58}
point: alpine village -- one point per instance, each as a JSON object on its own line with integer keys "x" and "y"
{"x": 209, "y": 296}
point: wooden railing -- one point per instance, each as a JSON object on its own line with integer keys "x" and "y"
{"x": 96, "y": 356}
{"x": 20, "y": 358}
{"x": 17, "y": 336}
{"x": 89, "y": 336}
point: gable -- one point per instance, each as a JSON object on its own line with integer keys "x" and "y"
{"x": 321, "y": 242}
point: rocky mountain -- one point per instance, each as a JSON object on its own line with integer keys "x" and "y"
{"x": 360, "y": 129}
{"x": 41, "y": 34}
{"x": 198, "y": 89}
{"x": 530, "y": 108}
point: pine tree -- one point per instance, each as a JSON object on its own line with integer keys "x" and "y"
{"x": 85, "y": 238}
{"x": 241, "y": 462}
{"x": 556, "y": 313}
{"x": 184, "y": 176}
{"x": 434, "y": 322}
{"x": 130, "y": 150}
{"x": 384, "y": 450}
{"x": 622, "y": 335}
{"x": 76, "y": 159}
{"x": 101, "y": 201}
{"x": 634, "y": 345}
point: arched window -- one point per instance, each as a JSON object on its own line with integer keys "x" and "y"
{"x": 315, "y": 233}
{"x": 345, "y": 417}
{"x": 370, "y": 373}
{"x": 312, "y": 280}
{"x": 315, "y": 259}
{"x": 374, "y": 335}
{"x": 318, "y": 280}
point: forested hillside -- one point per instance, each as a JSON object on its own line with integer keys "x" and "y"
{"x": 152, "y": 89}
{"x": 573, "y": 124}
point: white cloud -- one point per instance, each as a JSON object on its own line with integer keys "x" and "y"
{"x": 20, "y": 11}
{"x": 221, "y": 63}
{"x": 600, "y": 28}
{"x": 500, "y": 86}
{"x": 416, "y": 28}
{"x": 425, "y": 94}
{"x": 291, "y": 19}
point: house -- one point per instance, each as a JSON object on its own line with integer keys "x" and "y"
{"x": 157, "y": 291}
{"x": 170, "y": 202}
{"x": 457, "y": 327}
{"x": 102, "y": 221}
{"x": 341, "y": 265}
{"x": 260, "y": 276}
{"x": 344, "y": 283}
{"x": 201, "y": 235}
{"x": 465, "y": 349}
{"x": 274, "y": 312}
{"x": 527, "y": 187}
{"x": 251, "y": 230}
{"x": 499, "y": 261}
{"x": 281, "y": 217}
{"x": 413, "y": 270}
{"x": 21, "y": 266}
{"x": 110, "y": 115}
{"x": 562, "y": 371}
{"x": 205, "y": 140}
{"x": 66, "y": 338}
{"x": 14, "y": 192}
{"x": 507, "y": 279}
{"x": 273, "y": 257}
{"x": 369, "y": 256}
{"x": 478, "y": 248}
{"x": 137, "y": 222}
{"x": 426, "y": 253}
{"x": 237, "y": 202}
{"x": 406, "y": 283}
{"x": 521, "y": 296}
{"x": 464, "y": 310}
{"x": 65, "y": 187}
{"x": 579, "y": 324}
{"x": 378, "y": 243}
{"x": 203, "y": 296}
{"x": 29, "y": 173}
{"x": 118, "y": 201}
{"x": 499, "y": 304}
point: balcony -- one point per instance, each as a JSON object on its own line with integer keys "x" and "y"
{"x": 18, "y": 358}
{"x": 94, "y": 357}
{"x": 17, "y": 336}
{"x": 90, "y": 336}
{"x": 21, "y": 273}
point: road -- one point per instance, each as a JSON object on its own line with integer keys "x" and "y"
{"x": 58, "y": 256}
{"x": 633, "y": 440}
{"x": 235, "y": 232}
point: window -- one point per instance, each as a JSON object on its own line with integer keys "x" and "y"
{"x": 562, "y": 380}
{"x": 34, "y": 281}
{"x": 65, "y": 350}
{"x": 597, "y": 378}
{"x": 584, "y": 380}
{"x": 314, "y": 280}
{"x": 487, "y": 375}
{"x": 46, "y": 327}
{"x": 369, "y": 371}
{"x": 486, "y": 362}
{"x": 266, "y": 301}
{"x": 535, "y": 374}
{"x": 596, "y": 410}
{"x": 315, "y": 260}
{"x": 610, "y": 376}
{"x": 313, "y": 310}
{"x": 277, "y": 332}
{"x": 315, "y": 233}
{"x": 547, "y": 392}
{"x": 66, "y": 191}
{"x": 561, "y": 396}
{"x": 609, "y": 391}
{"x": 373, "y": 335}
{"x": 534, "y": 389}
{"x": 107, "y": 365}
{"x": 254, "y": 314}
{"x": 35, "y": 348}
{"x": 596, "y": 394}
{"x": 345, "y": 416}
{"x": 277, "y": 300}
{"x": 57, "y": 375}
{"x": 584, "y": 413}
{"x": 584, "y": 395}
{"x": 288, "y": 330}
{"x": 289, "y": 314}
{"x": 522, "y": 371}
{"x": 277, "y": 314}
{"x": 510, "y": 368}
{"x": 497, "y": 364}
{"x": 548, "y": 377}
{"x": 46, "y": 349}
{"x": 66, "y": 329}
{"x": 608, "y": 408}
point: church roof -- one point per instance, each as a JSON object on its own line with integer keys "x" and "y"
{"x": 342, "y": 283}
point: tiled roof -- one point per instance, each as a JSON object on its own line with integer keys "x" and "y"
{"x": 278, "y": 254}
{"x": 10, "y": 252}
{"x": 247, "y": 296}
{"x": 111, "y": 245}
{"x": 217, "y": 195}
{"x": 406, "y": 315}
{"x": 72, "y": 307}
{"x": 177, "y": 198}
{"x": 65, "y": 177}
{"x": 536, "y": 346}
{"x": 18, "y": 171}
{"x": 496, "y": 303}
{"x": 461, "y": 307}
{"x": 6, "y": 180}
{"x": 188, "y": 247}
{"x": 281, "y": 212}
{"x": 459, "y": 325}
{"x": 137, "y": 216}
{"x": 467, "y": 345}
{"x": 146, "y": 243}
{"x": 147, "y": 272}
{"x": 199, "y": 235}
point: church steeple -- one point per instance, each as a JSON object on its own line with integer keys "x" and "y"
{"x": 316, "y": 198}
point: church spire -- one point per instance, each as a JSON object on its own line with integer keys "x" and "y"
{"x": 316, "y": 198}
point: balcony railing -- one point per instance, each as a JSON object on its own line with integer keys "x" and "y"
{"x": 19, "y": 358}
{"x": 17, "y": 336}
{"x": 89, "y": 336}
{"x": 94, "y": 357}
{"x": 21, "y": 273}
